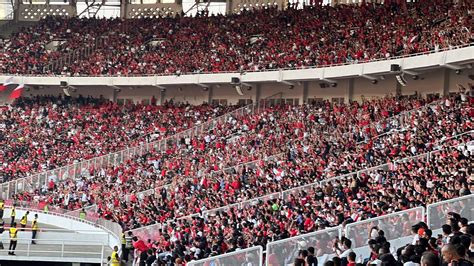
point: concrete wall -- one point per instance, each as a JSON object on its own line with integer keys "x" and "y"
{"x": 428, "y": 82}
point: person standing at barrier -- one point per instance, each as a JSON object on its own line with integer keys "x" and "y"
{"x": 13, "y": 239}
{"x": 24, "y": 221}
{"x": 82, "y": 214}
{"x": 114, "y": 258}
{"x": 124, "y": 242}
{"x": 2, "y": 208}
{"x": 12, "y": 215}
{"x": 128, "y": 246}
{"x": 34, "y": 229}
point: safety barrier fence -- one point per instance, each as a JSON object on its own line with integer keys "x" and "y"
{"x": 438, "y": 213}
{"x": 396, "y": 226}
{"x": 63, "y": 248}
{"x": 250, "y": 256}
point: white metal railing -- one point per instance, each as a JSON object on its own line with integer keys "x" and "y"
{"x": 437, "y": 213}
{"x": 109, "y": 226}
{"x": 252, "y": 256}
{"x": 59, "y": 248}
{"x": 395, "y": 225}
{"x": 284, "y": 252}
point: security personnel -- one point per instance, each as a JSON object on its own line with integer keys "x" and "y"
{"x": 114, "y": 258}
{"x": 2, "y": 208}
{"x": 24, "y": 221}
{"x": 13, "y": 239}
{"x": 82, "y": 214}
{"x": 34, "y": 229}
{"x": 13, "y": 214}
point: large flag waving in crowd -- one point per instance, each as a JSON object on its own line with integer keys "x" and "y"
{"x": 17, "y": 92}
{"x": 7, "y": 82}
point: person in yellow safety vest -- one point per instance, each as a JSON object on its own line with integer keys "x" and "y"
{"x": 12, "y": 215}
{"x": 115, "y": 259}
{"x": 13, "y": 239}
{"x": 34, "y": 229}
{"x": 82, "y": 214}
{"x": 46, "y": 209}
{"x": 2, "y": 208}
{"x": 24, "y": 221}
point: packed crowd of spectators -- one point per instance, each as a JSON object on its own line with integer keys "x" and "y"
{"x": 283, "y": 147}
{"x": 362, "y": 135}
{"x": 32, "y": 49}
{"x": 193, "y": 165}
{"x": 43, "y": 133}
{"x": 447, "y": 174}
{"x": 253, "y": 40}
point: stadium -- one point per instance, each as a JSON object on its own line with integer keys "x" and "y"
{"x": 237, "y": 132}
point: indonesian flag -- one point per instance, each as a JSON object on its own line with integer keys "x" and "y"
{"x": 7, "y": 82}
{"x": 16, "y": 93}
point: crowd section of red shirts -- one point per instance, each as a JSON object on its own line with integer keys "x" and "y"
{"x": 284, "y": 147}
{"x": 44, "y": 133}
{"x": 253, "y": 40}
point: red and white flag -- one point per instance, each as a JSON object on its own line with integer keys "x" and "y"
{"x": 16, "y": 93}
{"x": 7, "y": 82}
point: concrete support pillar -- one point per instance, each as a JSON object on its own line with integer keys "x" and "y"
{"x": 350, "y": 91}
{"x": 398, "y": 91}
{"x": 446, "y": 80}
{"x": 123, "y": 8}
{"x": 258, "y": 93}
{"x": 162, "y": 96}
{"x": 305, "y": 91}
{"x": 114, "y": 95}
{"x": 16, "y": 11}
{"x": 210, "y": 94}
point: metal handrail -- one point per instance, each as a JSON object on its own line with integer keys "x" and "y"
{"x": 62, "y": 243}
{"x": 261, "y": 70}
